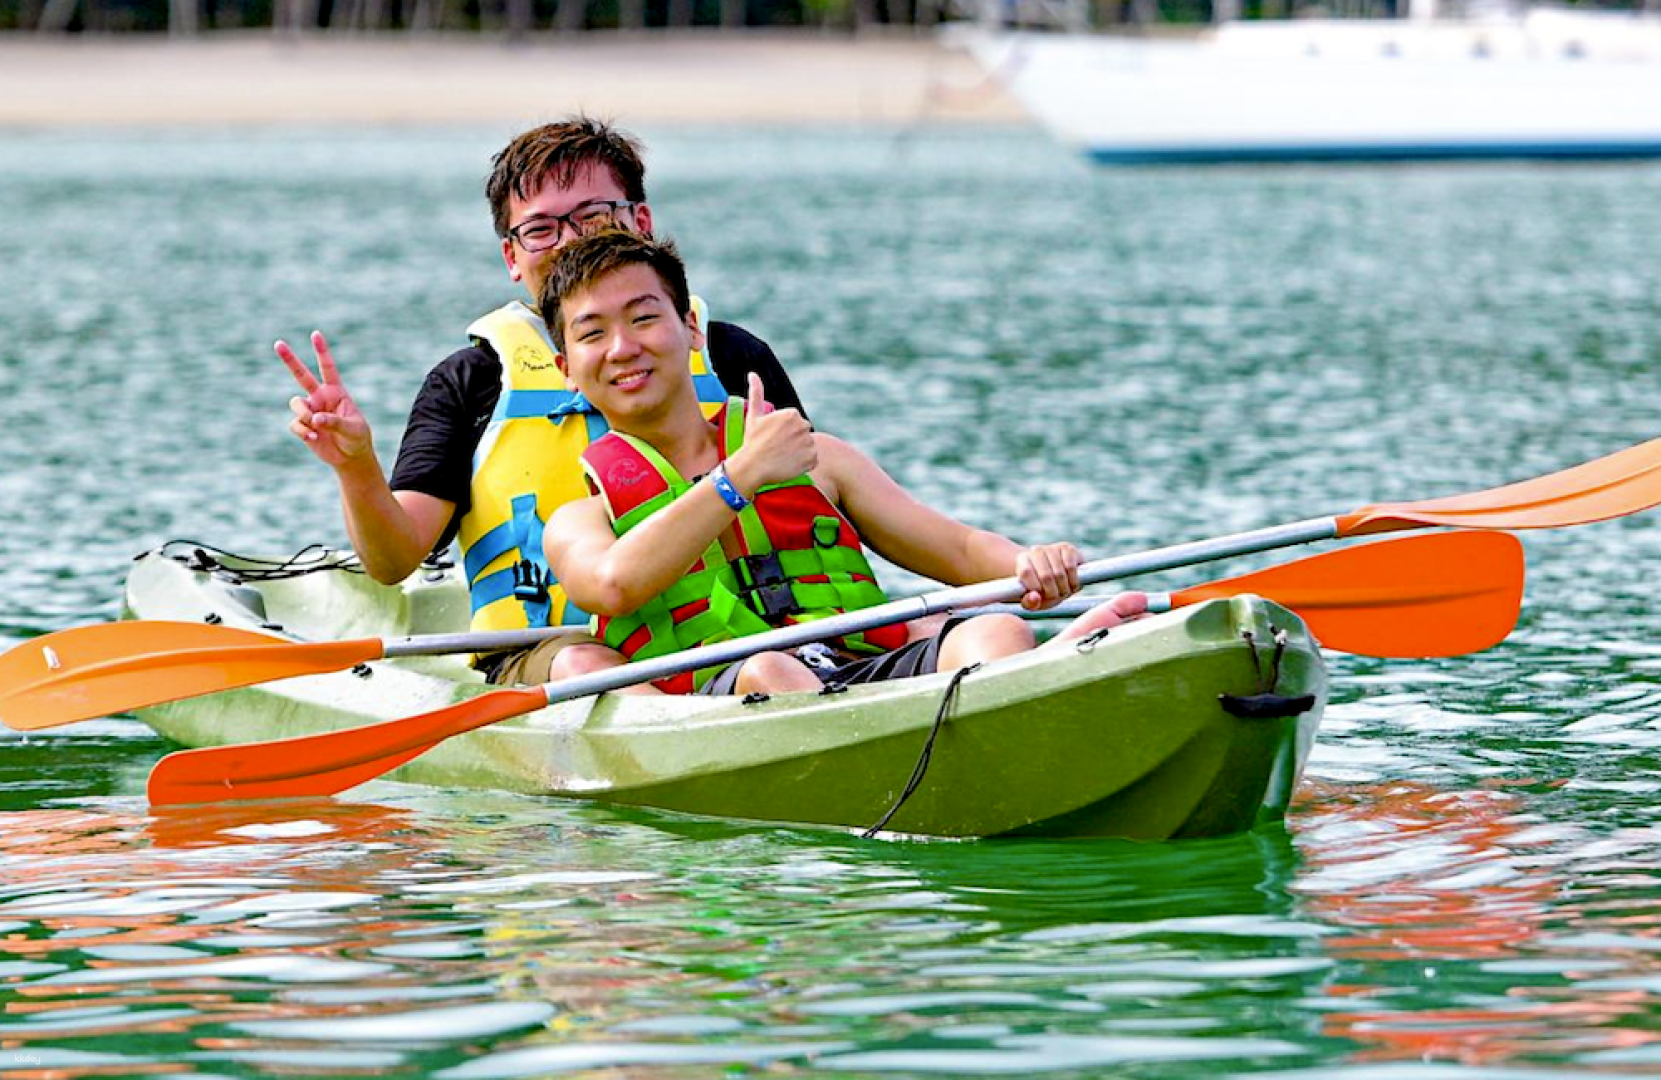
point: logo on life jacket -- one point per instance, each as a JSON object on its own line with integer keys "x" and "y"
{"x": 625, "y": 473}
{"x": 529, "y": 358}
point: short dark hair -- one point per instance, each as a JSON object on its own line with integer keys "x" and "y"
{"x": 558, "y": 152}
{"x": 585, "y": 260}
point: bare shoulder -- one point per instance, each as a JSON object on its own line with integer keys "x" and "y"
{"x": 839, "y": 453}
{"x": 579, "y": 515}
{"x": 844, "y": 469}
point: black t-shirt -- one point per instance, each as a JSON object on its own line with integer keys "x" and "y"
{"x": 454, "y": 405}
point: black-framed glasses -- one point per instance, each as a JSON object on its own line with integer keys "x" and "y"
{"x": 542, "y": 233}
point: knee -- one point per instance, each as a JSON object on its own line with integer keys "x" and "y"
{"x": 1000, "y": 628}
{"x": 574, "y": 660}
{"x": 774, "y": 672}
{"x": 986, "y": 637}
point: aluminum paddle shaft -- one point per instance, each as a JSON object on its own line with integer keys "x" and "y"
{"x": 933, "y": 603}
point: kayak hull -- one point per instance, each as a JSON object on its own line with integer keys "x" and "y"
{"x": 1126, "y": 737}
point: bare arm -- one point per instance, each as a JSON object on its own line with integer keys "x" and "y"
{"x": 615, "y": 575}
{"x": 391, "y": 531}
{"x": 928, "y": 542}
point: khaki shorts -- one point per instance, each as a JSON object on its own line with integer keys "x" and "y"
{"x": 529, "y": 667}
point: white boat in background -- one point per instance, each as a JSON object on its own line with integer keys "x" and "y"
{"x": 1547, "y": 84}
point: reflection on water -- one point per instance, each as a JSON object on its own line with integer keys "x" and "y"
{"x": 1464, "y": 889}
{"x": 257, "y": 935}
{"x": 1466, "y": 897}
{"x": 473, "y": 936}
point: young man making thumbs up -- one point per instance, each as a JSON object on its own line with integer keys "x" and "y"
{"x": 703, "y": 530}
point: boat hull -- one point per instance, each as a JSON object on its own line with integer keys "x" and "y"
{"x": 1126, "y": 737}
{"x": 1330, "y": 90}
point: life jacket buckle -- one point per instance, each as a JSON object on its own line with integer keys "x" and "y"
{"x": 774, "y": 602}
{"x": 767, "y": 589}
{"x": 819, "y": 656}
{"x": 530, "y": 582}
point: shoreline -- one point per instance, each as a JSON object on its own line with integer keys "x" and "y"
{"x": 254, "y": 78}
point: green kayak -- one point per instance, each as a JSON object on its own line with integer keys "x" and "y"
{"x": 1194, "y": 723}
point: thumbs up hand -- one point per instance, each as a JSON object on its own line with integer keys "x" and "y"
{"x": 778, "y": 445}
{"x": 757, "y": 405}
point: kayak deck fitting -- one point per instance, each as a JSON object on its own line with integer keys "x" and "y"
{"x": 1194, "y": 723}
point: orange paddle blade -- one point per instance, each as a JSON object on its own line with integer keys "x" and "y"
{"x": 326, "y": 764}
{"x": 1624, "y": 482}
{"x": 91, "y": 671}
{"x": 1442, "y": 594}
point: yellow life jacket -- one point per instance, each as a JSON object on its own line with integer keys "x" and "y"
{"x": 528, "y": 465}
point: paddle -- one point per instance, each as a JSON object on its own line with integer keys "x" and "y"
{"x": 1445, "y": 594}
{"x": 92, "y": 671}
{"x": 95, "y": 671}
{"x": 1465, "y": 599}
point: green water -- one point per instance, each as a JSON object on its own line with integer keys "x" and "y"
{"x": 1467, "y": 884}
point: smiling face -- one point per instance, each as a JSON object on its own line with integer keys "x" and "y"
{"x": 592, "y": 184}
{"x": 626, "y": 347}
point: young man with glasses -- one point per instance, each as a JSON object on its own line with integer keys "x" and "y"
{"x": 492, "y": 444}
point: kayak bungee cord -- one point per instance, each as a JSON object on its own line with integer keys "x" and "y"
{"x": 310, "y": 559}
{"x": 947, "y": 700}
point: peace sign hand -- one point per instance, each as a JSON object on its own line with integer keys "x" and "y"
{"x": 326, "y": 418}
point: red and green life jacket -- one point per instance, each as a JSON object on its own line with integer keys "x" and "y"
{"x": 801, "y": 559}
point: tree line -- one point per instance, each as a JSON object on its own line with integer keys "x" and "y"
{"x": 520, "y": 17}
{"x": 453, "y": 16}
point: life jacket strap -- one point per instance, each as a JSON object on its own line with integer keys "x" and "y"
{"x": 765, "y": 586}
{"x": 552, "y": 404}
{"x": 651, "y": 506}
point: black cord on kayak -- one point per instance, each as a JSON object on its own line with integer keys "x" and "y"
{"x": 946, "y": 701}
{"x": 308, "y": 560}
{"x": 311, "y": 559}
{"x": 1266, "y": 704}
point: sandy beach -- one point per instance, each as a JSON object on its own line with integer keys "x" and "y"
{"x": 761, "y": 77}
